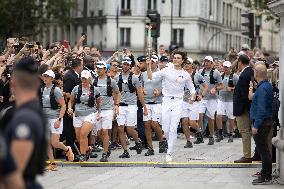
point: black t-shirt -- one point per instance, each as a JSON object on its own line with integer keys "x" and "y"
{"x": 7, "y": 164}
{"x": 27, "y": 124}
{"x": 6, "y": 93}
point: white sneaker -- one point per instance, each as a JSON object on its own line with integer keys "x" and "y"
{"x": 169, "y": 158}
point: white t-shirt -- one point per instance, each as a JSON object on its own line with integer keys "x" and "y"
{"x": 174, "y": 81}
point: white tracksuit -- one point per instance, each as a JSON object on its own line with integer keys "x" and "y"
{"x": 173, "y": 84}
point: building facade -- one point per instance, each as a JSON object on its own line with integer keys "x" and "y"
{"x": 200, "y": 27}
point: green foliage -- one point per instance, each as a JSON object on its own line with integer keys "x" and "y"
{"x": 27, "y": 17}
{"x": 262, "y": 7}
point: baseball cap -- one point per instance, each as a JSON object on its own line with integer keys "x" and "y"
{"x": 208, "y": 58}
{"x": 227, "y": 64}
{"x": 189, "y": 60}
{"x": 164, "y": 59}
{"x": 86, "y": 74}
{"x": 101, "y": 64}
{"x": 49, "y": 73}
{"x": 142, "y": 58}
{"x": 155, "y": 58}
{"x": 245, "y": 47}
{"x": 241, "y": 53}
{"x": 27, "y": 64}
{"x": 126, "y": 60}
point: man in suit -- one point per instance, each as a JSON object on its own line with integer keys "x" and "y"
{"x": 241, "y": 107}
{"x": 70, "y": 80}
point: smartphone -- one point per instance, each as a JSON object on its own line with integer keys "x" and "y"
{"x": 65, "y": 44}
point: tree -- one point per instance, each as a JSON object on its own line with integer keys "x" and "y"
{"x": 28, "y": 18}
{"x": 262, "y": 7}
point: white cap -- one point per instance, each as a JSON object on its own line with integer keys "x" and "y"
{"x": 170, "y": 65}
{"x": 49, "y": 73}
{"x": 241, "y": 53}
{"x": 189, "y": 60}
{"x": 245, "y": 47}
{"x": 101, "y": 64}
{"x": 126, "y": 60}
{"x": 227, "y": 64}
{"x": 155, "y": 58}
{"x": 208, "y": 58}
{"x": 86, "y": 74}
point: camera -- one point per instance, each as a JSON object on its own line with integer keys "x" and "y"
{"x": 30, "y": 45}
{"x": 8, "y": 72}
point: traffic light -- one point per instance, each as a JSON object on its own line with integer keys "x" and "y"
{"x": 249, "y": 24}
{"x": 155, "y": 22}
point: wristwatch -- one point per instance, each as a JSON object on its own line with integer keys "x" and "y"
{"x": 60, "y": 119}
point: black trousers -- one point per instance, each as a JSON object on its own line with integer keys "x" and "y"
{"x": 140, "y": 123}
{"x": 69, "y": 132}
{"x": 261, "y": 139}
{"x": 32, "y": 184}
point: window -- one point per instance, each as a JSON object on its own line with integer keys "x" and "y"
{"x": 224, "y": 13}
{"x": 178, "y": 37}
{"x": 179, "y": 9}
{"x": 230, "y": 12}
{"x": 54, "y": 33}
{"x": 125, "y": 7}
{"x": 210, "y": 8}
{"x": 152, "y": 4}
{"x": 125, "y": 37}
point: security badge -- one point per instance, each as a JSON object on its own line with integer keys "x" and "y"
{"x": 22, "y": 131}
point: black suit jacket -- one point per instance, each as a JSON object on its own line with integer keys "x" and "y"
{"x": 70, "y": 80}
{"x": 241, "y": 101}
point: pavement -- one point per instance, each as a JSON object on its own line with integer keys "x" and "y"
{"x": 138, "y": 176}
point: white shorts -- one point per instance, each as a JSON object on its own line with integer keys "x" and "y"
{"x": 51, "y": 126}
{"x": 225, "y": 108}
{"x": 105, "y": 121}
{"x": 202, "y": 106}
{"x": 190, "y": 110}
{"x": 154, "y": 112}
{"x": 78, "y": 121}
{"x": 209, "y": 107}
{"x": 127, "y": 116}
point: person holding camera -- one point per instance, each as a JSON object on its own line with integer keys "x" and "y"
{"x": 6, "y": 98}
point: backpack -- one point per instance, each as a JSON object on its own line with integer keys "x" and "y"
{"x": 109, "y": 88}
{"x": 52, "y": 99}
{"x": 275, "y": 106}
{"x": 91, "y": 101}
{"x": 131, "y": 87}
{"x": 211, "y": 75}
{"x": 231, "y": 81}
{"x": 192, "y": 77}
